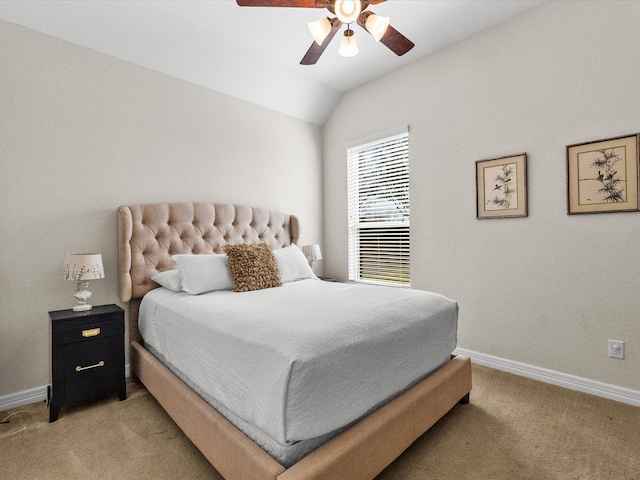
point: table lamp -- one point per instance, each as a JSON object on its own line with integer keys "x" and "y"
{"x": 82, "y": 267}
{"x": 313, "y": 253}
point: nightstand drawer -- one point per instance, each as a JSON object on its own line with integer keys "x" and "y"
{"x": 90, "y": 331}
{"x": 93, "y": 368}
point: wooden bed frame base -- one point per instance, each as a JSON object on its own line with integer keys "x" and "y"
{"x": 360, "y": 452}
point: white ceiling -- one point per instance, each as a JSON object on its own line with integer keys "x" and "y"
{"x": 254, "y": 52}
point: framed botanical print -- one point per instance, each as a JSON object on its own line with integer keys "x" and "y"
{"x": 501, "y": 187}
{"x": 602, "y": 176}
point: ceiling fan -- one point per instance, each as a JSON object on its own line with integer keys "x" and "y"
{"x": 346, "y": 11}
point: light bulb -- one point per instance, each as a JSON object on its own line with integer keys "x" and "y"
{"x": 347, "y": 11}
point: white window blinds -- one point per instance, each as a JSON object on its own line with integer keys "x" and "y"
{"x": 378, "y": 183}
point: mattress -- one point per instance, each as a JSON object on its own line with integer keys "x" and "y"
{"x": 292, "y": 366}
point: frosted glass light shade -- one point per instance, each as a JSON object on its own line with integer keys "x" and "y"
{"x": 347, "y": 11}
{"x": 320, "y": 29}
{"x": 348, "y": 45}
{"x": 377, "y": 25}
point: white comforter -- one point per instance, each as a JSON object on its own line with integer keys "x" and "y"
{"x": 302, "y": 360}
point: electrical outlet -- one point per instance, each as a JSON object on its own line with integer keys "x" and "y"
{"x": 616, "y": 349}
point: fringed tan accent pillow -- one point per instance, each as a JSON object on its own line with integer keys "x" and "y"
{"x": 252, "y": 267}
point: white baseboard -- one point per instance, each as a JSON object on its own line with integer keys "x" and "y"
{"x": 572, "y": 382}
{"x": 19, "y": 399}
{"x": 33, "y": 395}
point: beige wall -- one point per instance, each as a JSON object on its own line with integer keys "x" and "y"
{"x": 548, "y": 290}
{"x": 82, "y": 133}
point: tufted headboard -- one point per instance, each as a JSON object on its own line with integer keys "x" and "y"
{"x": 148, "y": 235}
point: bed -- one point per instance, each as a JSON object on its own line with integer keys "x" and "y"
{"x": 150, "y": 237}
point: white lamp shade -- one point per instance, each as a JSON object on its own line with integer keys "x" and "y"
{"x": 312, "y": 252}
{"x": 377, "y": 25}
{"x": 83, "y": 266}
{"x": 347, "y": 11}
{"x": 320, "y": 29}
{"x": 348, "y": 45}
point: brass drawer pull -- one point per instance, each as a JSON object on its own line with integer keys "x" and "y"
{"x": 99, "y": 364}
{"x": 94, "y": 332}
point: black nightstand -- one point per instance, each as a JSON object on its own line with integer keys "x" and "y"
{"x": 87, "y": 355}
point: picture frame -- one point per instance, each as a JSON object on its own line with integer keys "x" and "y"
{"x": 501, "y": 187}
{"x": 602, "y": 176}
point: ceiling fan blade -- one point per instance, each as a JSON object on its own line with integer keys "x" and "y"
{"x": 392, "y": 39}
{"x": 284, "y": 3}
{"x": 375, "y": 2}
{"x": 314, "y": 52}
{"x": 396, "y": 42}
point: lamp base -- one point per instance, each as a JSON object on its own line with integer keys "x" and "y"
{"x": 82, "y": 308}
{"x": 82, "y": 294}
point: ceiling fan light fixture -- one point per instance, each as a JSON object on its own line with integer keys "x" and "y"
{"x": 347, "y": 11}
{"x": 377, "y": 25}
{"x": 348, "y": 45}
{"x": 320, "y": 29}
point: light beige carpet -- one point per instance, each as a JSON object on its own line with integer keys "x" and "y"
{"x": 514, "y": 428}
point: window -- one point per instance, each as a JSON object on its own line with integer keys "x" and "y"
{"x": 378, "y": 182}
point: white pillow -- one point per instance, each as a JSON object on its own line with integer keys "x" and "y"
{"x": 292, "y": 264}
{"x": 204, "y": 273}
{"x": 168, "y": 279}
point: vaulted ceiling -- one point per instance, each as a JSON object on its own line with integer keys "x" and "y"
{"x": 254, "y": 53}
